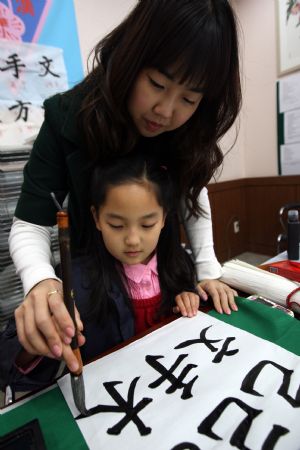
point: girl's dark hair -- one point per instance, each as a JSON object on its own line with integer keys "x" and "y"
{"x": 197, "y": 41}
{"x": 175, "y": 267}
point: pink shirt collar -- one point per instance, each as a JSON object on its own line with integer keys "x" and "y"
{"x": 136, "y": 272}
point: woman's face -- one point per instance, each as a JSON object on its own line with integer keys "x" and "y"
{"x": 158, "y": 103}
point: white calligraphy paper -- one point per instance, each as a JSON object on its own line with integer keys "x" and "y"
{"x": 253, "y": 280}
{"x": 194, "y": 384}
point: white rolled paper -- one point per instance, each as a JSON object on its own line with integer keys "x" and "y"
{"x": 252, "y": 280}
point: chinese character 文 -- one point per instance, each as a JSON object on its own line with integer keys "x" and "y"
{"x": 46, "y": 65}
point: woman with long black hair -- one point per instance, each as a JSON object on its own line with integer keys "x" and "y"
{"x": 166, "y": 80}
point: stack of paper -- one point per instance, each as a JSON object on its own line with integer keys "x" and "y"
{"x": 252, "y": 280}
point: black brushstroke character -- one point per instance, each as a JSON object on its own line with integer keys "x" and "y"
{"x": 250, "y": 379}
{"x": 23, "y": 110}
{"x": 13, "y": 63}
{"x": 209, "y": 344}
{"x": 273, "y": 437}
{"x": 123, "y": 406}
{"x": 201, "y": 340}
{"x": 186, "y": 446}
{"x": 223, "y": 352}
{"x": 240, "y": 434}
{"x": 46, "y": 65}
{"x": 176, "y": 382}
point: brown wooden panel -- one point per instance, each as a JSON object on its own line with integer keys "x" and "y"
{"x": 298, "y": 191}
{"x": 226, "y": 185}
{"x": 228, "y": 206}
{"x": 263, "y": 204}
{"x": 256, "y": 203}
{"x": 282, "y": 180}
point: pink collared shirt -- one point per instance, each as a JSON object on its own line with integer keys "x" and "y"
{"x": 142, "y": 279}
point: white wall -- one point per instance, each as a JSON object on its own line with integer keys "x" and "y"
{"x": 259, "y": 119}
{"x": 96, "y": 18}
{"x": 255, "y": 152}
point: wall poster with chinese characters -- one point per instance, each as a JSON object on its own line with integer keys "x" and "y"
{"x": 46, "y": 22}
{"x": 29, "y": 73}
{"x": 194, "y": 384}
{"x": 39, "y": 57}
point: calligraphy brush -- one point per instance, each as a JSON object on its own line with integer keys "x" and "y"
{"x": 77, "y": 382}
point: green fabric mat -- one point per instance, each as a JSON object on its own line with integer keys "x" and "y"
{"x": 60, "y": 430}
{"x": 265, "y": 322}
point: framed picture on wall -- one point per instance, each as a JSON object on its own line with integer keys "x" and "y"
{"x": 288, "y": 35}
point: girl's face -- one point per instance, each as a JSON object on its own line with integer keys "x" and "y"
{"x": 158, "y": 103}
{"x": 130, "y": 221}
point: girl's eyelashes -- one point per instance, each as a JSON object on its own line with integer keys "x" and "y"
{"x": 149, "y": 225}
{"x": 117, "y": 227}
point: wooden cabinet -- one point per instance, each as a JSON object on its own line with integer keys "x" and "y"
{"x": 254, "y": 203}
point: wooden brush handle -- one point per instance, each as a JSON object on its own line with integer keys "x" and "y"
{"x": 65, "y": 259}
{"x": 77, "y": 353}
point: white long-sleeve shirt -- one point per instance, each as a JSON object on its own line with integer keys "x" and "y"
{"x": 200, "y": 235}
{"x": 29, "y": 246}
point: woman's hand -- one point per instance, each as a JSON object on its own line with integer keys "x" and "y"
{"x": 221, "y": 294}
{"x": 44, "y": 325}
{"x": 187, "y": 304}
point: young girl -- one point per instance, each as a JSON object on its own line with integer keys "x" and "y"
{"x": 138, "y": 233}
{"x": 136, "y": 273}
{"x": 166, "y": 81}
